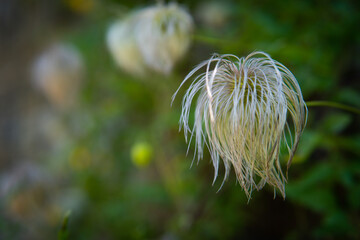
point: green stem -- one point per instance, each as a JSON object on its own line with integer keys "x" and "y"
{"x": 332, "y": 104}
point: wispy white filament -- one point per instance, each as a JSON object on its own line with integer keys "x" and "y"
{"x": 245, "y": 109}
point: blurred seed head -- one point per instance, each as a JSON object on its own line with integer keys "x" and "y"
{"x": 153, "y": 38}
{"x": 123, "y": 47}
{"x": 58, "y": 72}
{"x": 24, "y": 189}
{"x": 36, "y": 197}
{"x": 22, "y": 176}
{"x": 245, "y": 109}
{"x": 213, "y": 14}
{"x": 163, "y": 34}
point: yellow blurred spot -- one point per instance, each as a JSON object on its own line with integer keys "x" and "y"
{"x": 80, "y": 6}
{"x": 141, "y": 154}
{"x": 80, "y": 158}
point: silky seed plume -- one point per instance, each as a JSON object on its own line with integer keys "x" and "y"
{"x": 245, "y": 110}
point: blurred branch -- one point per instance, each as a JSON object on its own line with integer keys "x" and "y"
{"x": 333, "y": 105}
{"x": 164, "y": 160}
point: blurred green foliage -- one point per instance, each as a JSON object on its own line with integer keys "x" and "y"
{"x": 318, "y": 41}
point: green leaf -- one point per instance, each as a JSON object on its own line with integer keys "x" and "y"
{"x": 336, "y": 123}
{"x": 314, "y": 189}
{"x": 63, "y": 234}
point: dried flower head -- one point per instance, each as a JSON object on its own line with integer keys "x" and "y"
{"x": 242, "y": 115}
{"x": 153, "y": 38}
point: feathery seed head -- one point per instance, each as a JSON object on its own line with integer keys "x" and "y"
{"x": 242, "y": 114}
{"x": 151, "y": 38}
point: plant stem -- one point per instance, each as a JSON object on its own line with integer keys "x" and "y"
{"x": 334, "y": 105}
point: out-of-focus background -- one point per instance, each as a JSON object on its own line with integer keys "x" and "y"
{"x": 104, "y": 144}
